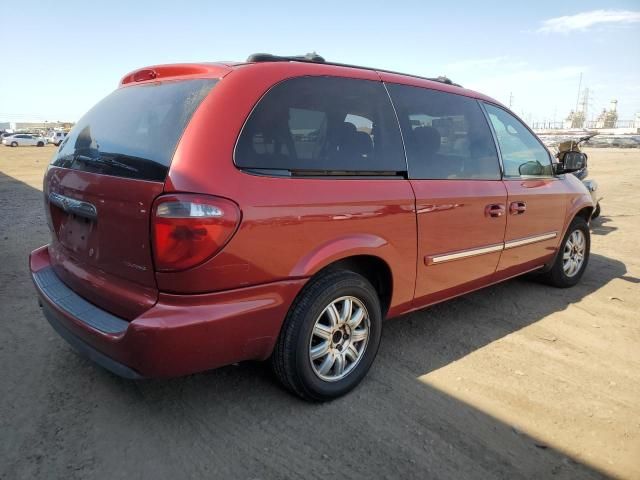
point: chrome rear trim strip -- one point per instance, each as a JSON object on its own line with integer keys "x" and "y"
{"x": 466, "y": 253}
{"x": 528, "y": 240}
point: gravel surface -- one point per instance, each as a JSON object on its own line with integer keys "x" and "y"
{"x": 518, "y": 380}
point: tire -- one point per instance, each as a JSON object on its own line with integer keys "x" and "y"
{"x": 40, "y": 144}
{"x": 561, "y": 274}
{"x": 596, "y": 212}
{"x": 311, "y": 313}
{"x": 14, "y": 144}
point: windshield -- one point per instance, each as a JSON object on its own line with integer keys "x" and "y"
{"x": 134, "y": 131}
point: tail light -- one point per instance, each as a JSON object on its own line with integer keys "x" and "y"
{"x": 189, "y": 229}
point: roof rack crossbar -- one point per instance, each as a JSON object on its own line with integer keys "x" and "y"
{"x": 313, "y": 57}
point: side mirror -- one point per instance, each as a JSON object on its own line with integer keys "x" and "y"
{"x": 572, "y": 162}
{"x": 531, "y": 169}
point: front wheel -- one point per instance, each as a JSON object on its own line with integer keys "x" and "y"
{"x": 573, "y": 256}
{"x": 330, "y": 336}
{"x": 40, "y": 144}
{"x": 14, "y": 144}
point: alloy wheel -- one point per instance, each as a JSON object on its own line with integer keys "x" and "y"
{"x": 339, "y": 338}
{"x": 573, "y": 254}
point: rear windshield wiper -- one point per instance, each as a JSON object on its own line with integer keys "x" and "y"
{"x": 103, "y": 160}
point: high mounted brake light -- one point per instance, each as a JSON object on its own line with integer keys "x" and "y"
{"x": 142, "y": 75}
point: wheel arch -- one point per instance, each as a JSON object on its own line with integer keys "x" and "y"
{"x": 368, "y": 255}
{"x": 584, "y": 212}
{"x": 374, "y": 269}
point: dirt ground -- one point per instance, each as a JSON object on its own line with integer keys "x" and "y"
{"x": 519, "y": 380}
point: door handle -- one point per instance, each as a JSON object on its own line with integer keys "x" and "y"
{"x": 517, "y": 208}
{"x": 494, "y": 210}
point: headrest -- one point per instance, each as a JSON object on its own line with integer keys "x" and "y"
{"x": 363, "y": 143}
{"x": 428, "y": 139}
{"x": 347, "y": 128}
{"x": 352, "y": 142}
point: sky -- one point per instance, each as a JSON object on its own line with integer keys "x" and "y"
{"x": 62, "y": 57}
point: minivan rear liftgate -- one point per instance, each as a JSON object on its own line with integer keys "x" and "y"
{"x": 101, "y": 186}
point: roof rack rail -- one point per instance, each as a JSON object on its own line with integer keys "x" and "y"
{"x": 313, "y": 57}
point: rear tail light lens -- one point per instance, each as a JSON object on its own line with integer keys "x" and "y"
{"x": 189, "y": 229}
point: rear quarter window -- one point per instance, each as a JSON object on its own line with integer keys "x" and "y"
{"x": 325, "y": 125}
{"x": 134, "y": 131}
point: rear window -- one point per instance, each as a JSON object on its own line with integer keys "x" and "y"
{"x": 134, "y": 131}
{"x": 323, "y": 125}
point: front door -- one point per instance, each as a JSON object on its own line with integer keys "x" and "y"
{"x": 535, "y": 198}
{"x": 461, "y": 202}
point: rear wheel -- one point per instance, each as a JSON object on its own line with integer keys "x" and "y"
{"x": 573, "y": 256}
{"x": 330, "y": 337}
{"x": 40, "y": 144}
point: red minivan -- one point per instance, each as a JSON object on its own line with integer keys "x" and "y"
{"x": 281, "y": 208}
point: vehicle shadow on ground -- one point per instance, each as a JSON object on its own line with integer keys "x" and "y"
{"x": 399, "y": 419}
{"x": 236, "y": 422}
{"x": 404, "y": 420}
{"x": 599, "y": 226}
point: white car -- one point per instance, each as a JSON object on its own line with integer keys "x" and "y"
{"x": 23, "y": 139}
{"x": 56, "y": 138}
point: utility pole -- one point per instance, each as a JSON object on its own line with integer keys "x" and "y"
{"x": 585, "y": 104}
{"x": 579, "y": 88}
{"x": 510, "y": 100}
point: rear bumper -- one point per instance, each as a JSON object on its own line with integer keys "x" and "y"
{"x": 180, "y": 334}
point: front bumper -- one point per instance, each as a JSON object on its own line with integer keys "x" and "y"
{"x": 592, "y": 186}
{"x": 180, "y": 334}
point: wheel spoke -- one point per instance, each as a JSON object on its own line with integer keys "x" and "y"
{"x": 322, "y": 331}
{"x": 319, "y": 350}
{"x": 332, "y": 313}
{"x": 339, "y": 364}
{"x": 359, "y": 335}
{"x": 566, "y": 255}
{"x": 352, "y": 352}
{"x": 347, "y": 306}
{"x": 326, "y": 364}
{"x": 356, "y": 318}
